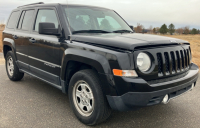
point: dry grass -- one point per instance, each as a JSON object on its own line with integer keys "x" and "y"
{"x": 1, "y": 41}
{"x": 194, "y": 41}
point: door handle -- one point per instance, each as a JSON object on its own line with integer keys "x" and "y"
{"x": 15, "y": 36}
{"x": 32, "y": 40}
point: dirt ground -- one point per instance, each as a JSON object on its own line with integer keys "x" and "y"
{"x": 2, "y": 61}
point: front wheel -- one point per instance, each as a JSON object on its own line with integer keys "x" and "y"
{"x": 86, "y": 98}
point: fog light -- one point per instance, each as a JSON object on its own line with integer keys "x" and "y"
{"x": 192, "y": 86}
{"x": 165, "y": 99}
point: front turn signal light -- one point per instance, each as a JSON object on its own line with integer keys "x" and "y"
{"x": 125, "y": 73}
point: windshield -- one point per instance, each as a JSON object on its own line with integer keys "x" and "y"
{"x": 84, "y": 19}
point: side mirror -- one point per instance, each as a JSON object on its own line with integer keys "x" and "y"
{"x": 131, "y": 27}
{"x": 48, "y": 29}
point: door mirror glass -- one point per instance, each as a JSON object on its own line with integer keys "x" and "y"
{"x": 48, "y": 28}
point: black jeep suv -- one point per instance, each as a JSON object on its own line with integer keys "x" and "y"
{"x": 95, "y": 56}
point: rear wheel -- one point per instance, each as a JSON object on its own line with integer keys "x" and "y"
{"x": 86, "y": 98}
{"x": 11, "y": 68}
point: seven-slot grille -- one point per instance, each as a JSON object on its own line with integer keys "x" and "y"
{"x": 171, "y": 62}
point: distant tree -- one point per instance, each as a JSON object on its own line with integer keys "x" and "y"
{"x": 194, "y": 31}
{"x": 151, "y": 29}
{"x": 179, "y": 31}
{"x": 163, "y": 29}
{"x": 154, "y": 30}
{"x": 186, "y": 30}
{"x": 171, "y": 28}
{"x": 198, "y": 31}
{"x": 139, "y": 28}
{"x": 157, "y": 29}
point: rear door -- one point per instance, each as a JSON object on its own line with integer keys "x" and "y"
{"x": 21, "y": 35}
{"x": 44, "y": 50}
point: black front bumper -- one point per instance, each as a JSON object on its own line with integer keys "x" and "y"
{"x": 131, "y": 100}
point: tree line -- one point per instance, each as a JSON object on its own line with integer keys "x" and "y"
{"x": 164, "y": 29}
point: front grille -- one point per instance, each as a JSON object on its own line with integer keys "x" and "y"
{"x": 171, "y": 62}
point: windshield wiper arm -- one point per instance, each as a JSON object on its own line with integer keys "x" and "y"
{"x": 90, "y": 31}
{"x": 122, "y": 31}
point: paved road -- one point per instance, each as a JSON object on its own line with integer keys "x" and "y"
{"x": 31, "y": 103}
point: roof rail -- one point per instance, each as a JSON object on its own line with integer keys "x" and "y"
{"x": 31, "y": 4}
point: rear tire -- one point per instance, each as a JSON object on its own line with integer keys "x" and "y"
{"x": 86, "y": 98}
{"x": 12, "y": 68}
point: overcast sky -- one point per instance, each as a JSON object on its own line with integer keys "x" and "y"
{"x": 146, "y": 12}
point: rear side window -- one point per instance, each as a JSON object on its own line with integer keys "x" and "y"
{"x": 13, "y": 19}
{"x": 46, "y": 15}
{"x": 27, "y": 18}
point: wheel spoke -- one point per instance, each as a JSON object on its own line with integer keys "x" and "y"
{"x": 81, "y": 105}
{"x": 89, "y": 107}
{"x": 83, "y": 87}
{"x": 78, "y": 93}
{"x": 89, "y": 95}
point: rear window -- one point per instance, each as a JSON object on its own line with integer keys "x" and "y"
{"x": 13, "y": 19}
{"x": 28, "y": 16}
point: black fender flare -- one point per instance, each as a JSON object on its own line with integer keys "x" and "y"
{"x": 11, "y": 43}
{"x": 99, "y": 62}
{"x": 95, "y": 60}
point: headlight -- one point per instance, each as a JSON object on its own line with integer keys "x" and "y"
{"x": 143, "y": 62}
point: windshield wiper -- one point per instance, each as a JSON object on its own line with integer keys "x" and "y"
{"x": 90, "y": 31}
{"x": 122, "y": 31}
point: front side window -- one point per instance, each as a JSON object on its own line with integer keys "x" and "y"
{"x": 13, "y": 19}
{"x": 46, "y": 15}
{"x": 96, "y": 19}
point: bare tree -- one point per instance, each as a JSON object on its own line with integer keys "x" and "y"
{"x": 139, "y": 28}
{"x": 179, "y": 31}
{"x": 151, "y": 29}
{"x": 186, "y": 30}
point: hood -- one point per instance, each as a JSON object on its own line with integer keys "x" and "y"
{"x": 125, "y": 41}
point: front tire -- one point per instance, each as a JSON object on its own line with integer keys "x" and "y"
{"x": 86, "y": 98}
{"x": 12, "y": 68}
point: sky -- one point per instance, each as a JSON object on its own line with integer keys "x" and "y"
{"x": 146, "y": 12}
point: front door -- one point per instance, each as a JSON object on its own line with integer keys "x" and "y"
{"x": 44, "y": 50}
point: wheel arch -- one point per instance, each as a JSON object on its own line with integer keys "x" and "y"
{"x": 98, "y": 62}
{"x": 81, "y": 59}
{"x": 8, "y": 45}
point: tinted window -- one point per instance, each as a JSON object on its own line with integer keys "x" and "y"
{"x": 46, "y": 16}
{"x": 12, "y": 20}
{"x": 28, "y": 16}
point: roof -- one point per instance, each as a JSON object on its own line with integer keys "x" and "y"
{"x": 41, "y": 4}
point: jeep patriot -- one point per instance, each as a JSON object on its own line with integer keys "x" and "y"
{"x": 94, "y": 56}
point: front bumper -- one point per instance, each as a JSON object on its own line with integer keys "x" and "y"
{"x": 134, "y": 100}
